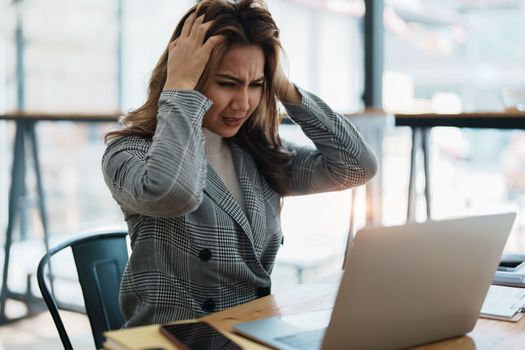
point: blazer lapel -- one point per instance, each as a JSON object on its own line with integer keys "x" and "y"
{"x": 217, "y": 190}
{"x": 251, "y": 188}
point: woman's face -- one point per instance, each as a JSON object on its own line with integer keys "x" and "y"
{"x": 236, "y": 89}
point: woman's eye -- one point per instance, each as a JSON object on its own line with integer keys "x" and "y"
{"x": 257, "y": 85}
{"x": 225, "y": 83}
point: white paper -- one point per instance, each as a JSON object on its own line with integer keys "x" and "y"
{"x": 503, "y": 301}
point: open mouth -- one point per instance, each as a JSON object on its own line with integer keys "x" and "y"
{"x": 232, "y": 122}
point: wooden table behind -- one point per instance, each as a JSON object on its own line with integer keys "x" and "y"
{"x": 422, "y": 123}
{"x": 25, "y": 148}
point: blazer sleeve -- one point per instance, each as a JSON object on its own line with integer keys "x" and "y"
{"x": 341, "y": 158}
{"x": 164, "y": 176}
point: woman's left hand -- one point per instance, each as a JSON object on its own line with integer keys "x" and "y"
{"x": 285, "y": 91}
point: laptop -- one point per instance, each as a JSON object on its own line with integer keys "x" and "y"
{"x": 402, "y": 286}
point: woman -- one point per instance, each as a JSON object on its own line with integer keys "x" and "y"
{"x": 199, "y": 170}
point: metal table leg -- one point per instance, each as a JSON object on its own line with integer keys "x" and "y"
{"x": 426, "y": 167}
{"x": 420, "y": 137}
{"x": 25, "y": 132}
{"x": 411, "y": 205}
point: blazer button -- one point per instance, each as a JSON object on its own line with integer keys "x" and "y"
{"x": 208, "y": 306}
{"x": 205, "y": 254}
{"x": 263, "y": 291}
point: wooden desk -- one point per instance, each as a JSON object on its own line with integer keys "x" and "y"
{"x": 318, "y": 295}
{"x": 421, "y": 125}
{"x": 26, "y": 142}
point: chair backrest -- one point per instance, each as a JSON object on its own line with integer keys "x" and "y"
{"x": 100, "y": 260}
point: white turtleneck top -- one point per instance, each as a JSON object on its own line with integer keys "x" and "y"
{"x": 220, "y": 159}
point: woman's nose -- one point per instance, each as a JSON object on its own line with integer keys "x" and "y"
{"x": 241, "y": 100}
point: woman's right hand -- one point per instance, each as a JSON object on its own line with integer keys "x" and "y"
{"x": 189, "y": 54}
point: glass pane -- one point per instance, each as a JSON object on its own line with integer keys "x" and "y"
{"x": 147, "y": 30}
{"x": 451, "y": 56}
{"x": 324, "y": 46}
{"x": 69, "y": 55}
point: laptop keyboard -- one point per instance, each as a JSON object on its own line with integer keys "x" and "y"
{"x": 310, "y": 340}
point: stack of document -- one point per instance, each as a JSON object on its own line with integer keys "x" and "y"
{"x": 514, "y": 278}
{"x": 504, "y": 303}
{"x": 511, "y": 271}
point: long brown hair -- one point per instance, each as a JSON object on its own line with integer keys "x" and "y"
{"x": 244, "y": 22}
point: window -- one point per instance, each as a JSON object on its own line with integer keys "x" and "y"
{"x": 451, "y": 57}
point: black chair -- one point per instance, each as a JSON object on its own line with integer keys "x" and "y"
{"x": 100, "y": 260}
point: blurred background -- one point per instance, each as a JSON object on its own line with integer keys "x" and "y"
{"x": 95, "y": 57}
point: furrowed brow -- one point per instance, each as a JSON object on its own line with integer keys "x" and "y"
{"x": 231, "y": 77}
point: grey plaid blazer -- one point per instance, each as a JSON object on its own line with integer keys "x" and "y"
{"x": 194, "y": 250}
